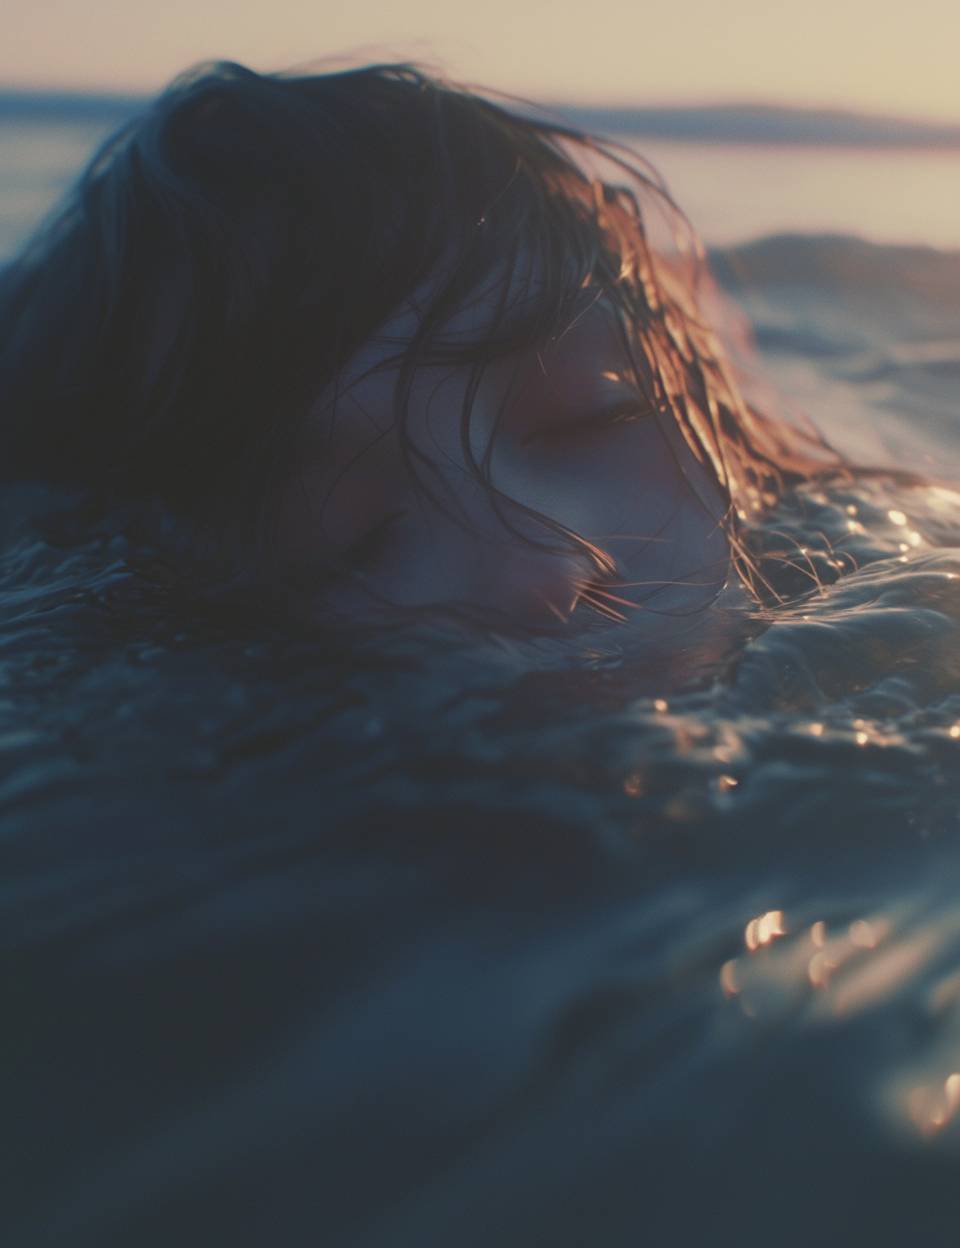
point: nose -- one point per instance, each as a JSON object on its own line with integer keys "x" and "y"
{"x": 536, "y": 586}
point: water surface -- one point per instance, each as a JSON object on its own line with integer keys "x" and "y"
{"x": 432, "y": 941}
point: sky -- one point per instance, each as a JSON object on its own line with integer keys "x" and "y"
{"x": 875, "y": 55}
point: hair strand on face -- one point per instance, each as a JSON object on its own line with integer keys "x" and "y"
{"x": 169, "y": 332}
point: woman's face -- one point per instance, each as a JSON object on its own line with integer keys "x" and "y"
{"x": 564, "y": 434}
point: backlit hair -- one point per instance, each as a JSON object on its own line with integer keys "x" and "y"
{"x": 165, "y": 334}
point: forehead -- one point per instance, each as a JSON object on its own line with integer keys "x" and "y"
{"x": 507, "y": 320}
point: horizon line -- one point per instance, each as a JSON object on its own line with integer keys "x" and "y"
{"x": 722, "y": 119}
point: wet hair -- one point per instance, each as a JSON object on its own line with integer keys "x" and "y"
{"x": 165, "y": 335}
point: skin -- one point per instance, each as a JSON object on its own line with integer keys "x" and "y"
{"x": 568, "y": 436}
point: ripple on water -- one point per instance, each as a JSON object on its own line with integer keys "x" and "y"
{"x": 649, "y": 903}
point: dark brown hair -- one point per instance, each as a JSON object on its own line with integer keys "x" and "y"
{"x": 225, "y": 254}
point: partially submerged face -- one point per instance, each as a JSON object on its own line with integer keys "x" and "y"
{"x": 383, "y": 347}
{"x": 563, "y": 497}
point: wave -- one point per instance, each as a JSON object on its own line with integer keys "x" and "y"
{"x": 832, "y": 263}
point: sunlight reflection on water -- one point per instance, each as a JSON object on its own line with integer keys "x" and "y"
{"x": 452, "y": 929}
{"x": 825, "y": 974}
{"x": 733, "y": 192}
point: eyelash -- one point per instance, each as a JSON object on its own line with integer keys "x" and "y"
{"x": 627, "y": 413}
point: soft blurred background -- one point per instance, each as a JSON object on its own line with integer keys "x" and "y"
{"x": 764, "y": 118}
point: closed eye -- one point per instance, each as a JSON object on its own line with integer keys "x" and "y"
{"x": 592, "y": 423}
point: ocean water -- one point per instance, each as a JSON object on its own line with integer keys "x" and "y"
{"x": 425, "y": 942}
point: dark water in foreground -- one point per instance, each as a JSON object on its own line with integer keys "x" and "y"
{"x": 429, "y": 943}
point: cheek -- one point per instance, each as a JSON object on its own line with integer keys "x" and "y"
{"x": 325, "y": 509}
{"x": 430, "y": 560}
{"x": 628, "y": 479}
{"x": 640, "y": 495}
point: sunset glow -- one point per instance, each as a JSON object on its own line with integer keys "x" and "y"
{"x": 855, "y": 55}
